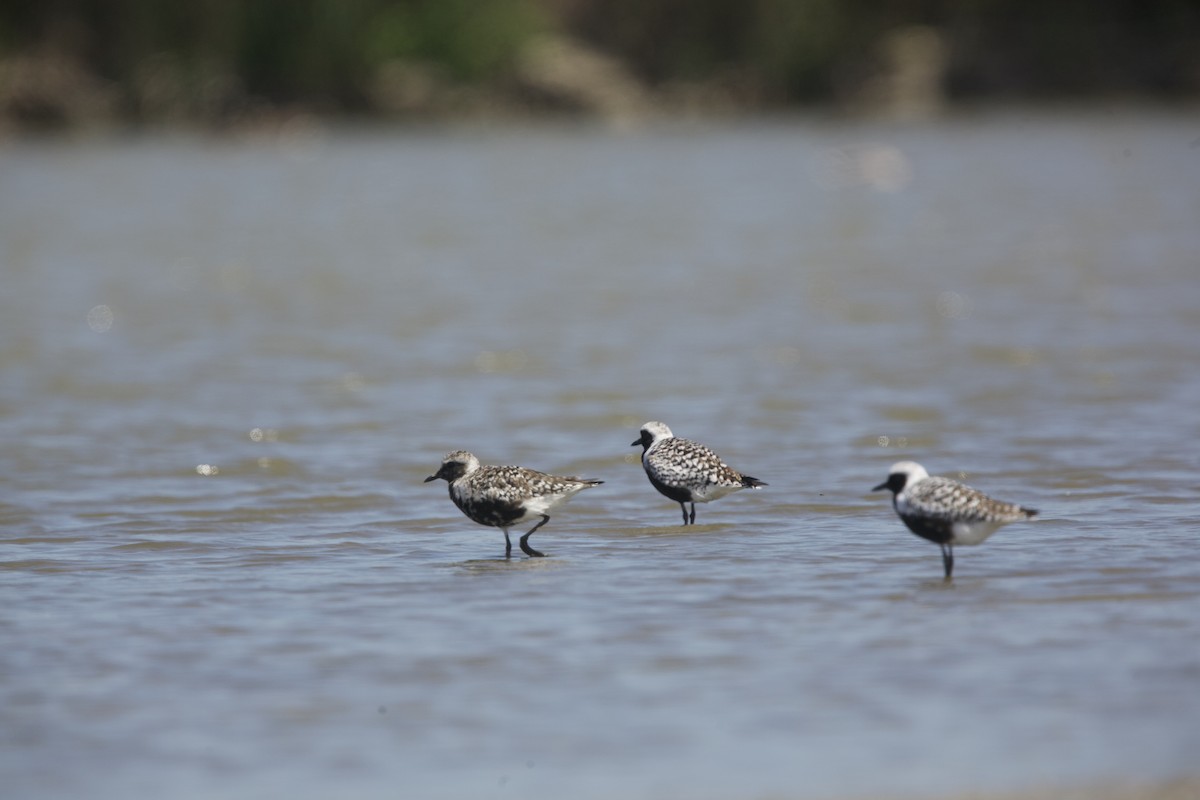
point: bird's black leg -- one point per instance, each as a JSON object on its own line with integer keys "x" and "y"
{"x": 683, "y": 507}
{"x": 948, "y": 559}
{"x": 692, "y": 520}
{"x": 529, "y": 551}
{"x": 507, "y": 544}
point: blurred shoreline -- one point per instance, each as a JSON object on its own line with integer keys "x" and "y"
{"x": 77, "y": 65}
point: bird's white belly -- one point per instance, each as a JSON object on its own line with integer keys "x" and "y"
{"x": 712, "y": 492}
{"x": 969, "y": 533}
{"x": 543, "y": 504}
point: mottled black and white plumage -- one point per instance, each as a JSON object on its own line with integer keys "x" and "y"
{"x": 946, "y": 512}
{"x": 686, "y": 471}
{"x": 505, "y": 496}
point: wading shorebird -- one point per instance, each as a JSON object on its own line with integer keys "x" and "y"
{"x": 946, "y": 512}
{"x": 686, "y": 471}
{"x": 505, "y": 496}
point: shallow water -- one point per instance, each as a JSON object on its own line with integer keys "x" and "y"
{"x": 227, "y": 365}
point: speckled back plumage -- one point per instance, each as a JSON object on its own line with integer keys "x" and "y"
{"x": 690, "y": 466}
{"x": 951, "y": 501}
{"x": 505, "y": 495}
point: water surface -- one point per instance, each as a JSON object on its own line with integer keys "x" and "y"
{"x": 226, "y": 365}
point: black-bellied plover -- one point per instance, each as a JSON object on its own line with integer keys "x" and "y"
{"x": 946, "y": 512}
{"x": 505, "y": 496}
{"x": 687, "y": 471}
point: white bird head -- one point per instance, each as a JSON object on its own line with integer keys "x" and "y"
{"x": 902, "y": 474}
{"x": 652, "y": 432}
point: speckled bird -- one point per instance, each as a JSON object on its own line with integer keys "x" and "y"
{"x": 945, "y": 511}
{"x": 686, "y": 471}
{"x": 506, "y": 496}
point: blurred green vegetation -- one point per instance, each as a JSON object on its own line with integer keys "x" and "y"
{"x": 153, "y": 58}
{"x": 319, "y": 52}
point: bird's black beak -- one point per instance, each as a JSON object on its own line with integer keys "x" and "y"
{"x": 635, "y": 443}
{"x": 883, "y": 485}
{"x": 430, "y": 478}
